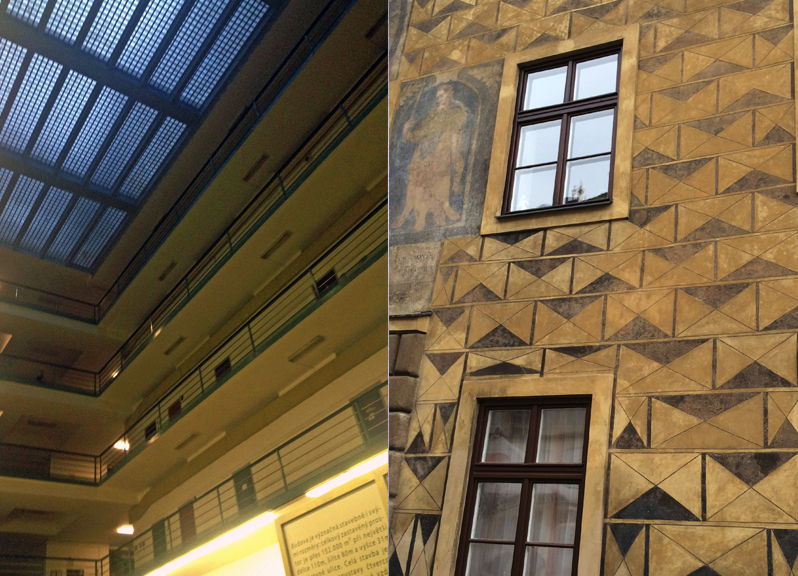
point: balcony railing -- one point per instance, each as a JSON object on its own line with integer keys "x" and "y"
{"x": 349, "y": 435}
{"x": 363, "y": 245}
{"x": 300, "y": 54}
{"x": 361, "y": 100}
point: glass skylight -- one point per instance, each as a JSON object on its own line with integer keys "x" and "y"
{"x": 124, "y": 145}
{"x": 147, "y": 36}
{"x": 187, "y": 42}
{"x": 106, "y": 229}
{"x": 94, "y": 131}
{"x": 153, "y": 157}
{"x": 108, "y": 27}
{"x": 11, "y": 56}
{"x": 72, "y": 230}
{"x": 16, "y": 210}
{"x": 67, "y": 19}
{"x": 63, "y": 116}
{"x": 45, "y": 221}
{"x": 223, "y": 52}
{"x": 29, "y": 11}
{"x": 29, "y": 103}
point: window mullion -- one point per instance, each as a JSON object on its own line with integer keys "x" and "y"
{"x": 519, "y": 550}
{"x": 559, "y": 181}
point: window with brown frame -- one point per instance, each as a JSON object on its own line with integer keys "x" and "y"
{"x": 524, "y": 500}
{"x": 563, "y": 143}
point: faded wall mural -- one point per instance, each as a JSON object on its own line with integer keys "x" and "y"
{"x": 440, "y": 152}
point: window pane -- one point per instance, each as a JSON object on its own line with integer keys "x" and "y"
{"x": 596, "y": 77}
{"x": 561, "y": 435}
{"x": 553, "y": 513}
{"x": 591, "y": 134}
{"x": 506, "y": 437}
{"x": 489, "y": 559}
{"x": 587, "y": 179}
{"x": 496, "y": 514}
{"x": 542, "y": 561}
{"x": 533, "y": 188}
{"x": 539, "y": 143}
{"x": 545, "y": 88}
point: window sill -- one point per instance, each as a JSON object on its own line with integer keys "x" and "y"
{"x": 549, "y": 209}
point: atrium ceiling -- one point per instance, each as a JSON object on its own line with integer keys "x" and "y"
{"x": 97, "y": 97}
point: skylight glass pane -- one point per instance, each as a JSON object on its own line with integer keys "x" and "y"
{"x": 223, "y": 51}
{"x": 108, "y": 27}
{"x": 124, "y": 145}
{"x": 65, "y": 112}
{"x": 45, "y": 220}
{"x": 29, "y": 103}
{"x": 11, "y": 56}
{"x": 152, "y": 159}
{"x": 5, "y": 178}
{"x": 29, "y": 11}
{"x": 147, "y": 36}
{"x": 188, "y": 40}
{"x": 67, "y": 19}
{"x": 73, "y": 229}
{"x": 94, "y": 131}
{"x": 106, "y": 228}
{"x": 21, "y": 200}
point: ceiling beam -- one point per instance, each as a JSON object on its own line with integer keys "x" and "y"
{"x": 75, "y": 59}
{"x": 19, "y": 166}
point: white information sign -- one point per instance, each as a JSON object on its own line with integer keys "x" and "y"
{"x": 347, "y": 536}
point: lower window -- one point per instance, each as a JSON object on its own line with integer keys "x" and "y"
{"x": 524, "y": 500}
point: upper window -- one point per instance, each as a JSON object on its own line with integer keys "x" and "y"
{"x": 523, "y": 506}
{"x": 564, "y": 133}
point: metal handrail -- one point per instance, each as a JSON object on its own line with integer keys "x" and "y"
{"x": 299, "y": 55}
{"x": 351, "y": 255}
{"x": 345, "y": 117}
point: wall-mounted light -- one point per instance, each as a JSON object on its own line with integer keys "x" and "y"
{"x": 126, "y": 529}
{"x": 122, "y": 445}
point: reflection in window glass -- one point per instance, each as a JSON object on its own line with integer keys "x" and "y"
{"x": 496, "y": 514}
{"x": 562, "y": 432}
{"x": 552, "y": 517}
{"x": 507, "y": 434}
{"x": 489, "y": 559}
{"x": 534, "y": 187}
{"x": 591, "y": 134}
{"x": 539, "y": 143}
{"x": 587, "y": 179}
{"x": 544, "y": 561}
{"x": 545, "y": 88}
{"x": 596, "y": 77}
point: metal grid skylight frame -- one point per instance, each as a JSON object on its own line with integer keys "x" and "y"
{"x": 97, "y": 97}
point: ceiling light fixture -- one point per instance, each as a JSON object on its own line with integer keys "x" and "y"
{"x": 122, "y": 445}
{"x": 364, "y": 468}
{"x": 296, "y": 356}
{"x": 225, "y": 539}
{"x": 115, "y": 374}
{"x": 126, "y": 529}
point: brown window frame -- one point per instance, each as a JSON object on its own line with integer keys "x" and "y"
{"x": 527, "y": 473}
{"x": 564, "y": 112}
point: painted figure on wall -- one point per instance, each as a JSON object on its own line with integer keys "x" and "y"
{"x": 438, "y": 157}
{"x": 436, "y": 170}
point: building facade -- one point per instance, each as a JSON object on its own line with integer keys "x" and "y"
{"x": 638, "y": 316}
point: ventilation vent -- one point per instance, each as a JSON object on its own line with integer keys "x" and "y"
{"x": 174, "y": 346}
{"x": 167, "y": 270}
{"x": 42, "y": 424}
{"x": 276, "y": 245}
{"x": 255, "y": 167}
{"x": 30, "y": 515}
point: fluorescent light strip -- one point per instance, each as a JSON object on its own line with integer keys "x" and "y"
{"x": 187, "y": 42}
{"x": 231, "y": 537}
{"x": 221, "y": 55}
{"x": 148, "y": 35}
{"x": 348, "y": 476}
{"x": 63, "y": 116}
{"x": 29, "y": 103}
